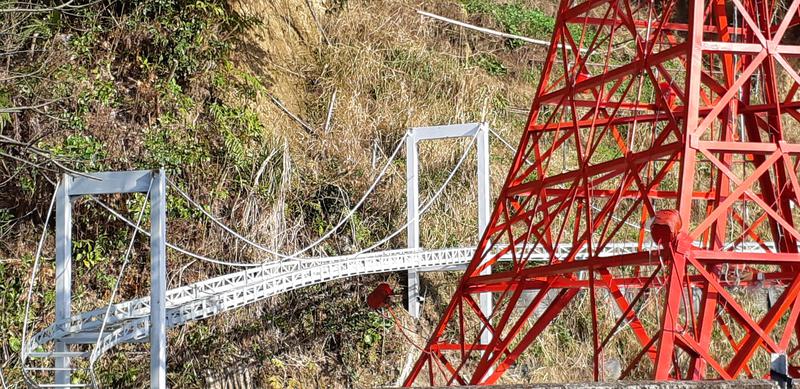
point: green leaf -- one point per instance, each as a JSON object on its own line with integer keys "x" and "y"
{"x": 15, "y": 344}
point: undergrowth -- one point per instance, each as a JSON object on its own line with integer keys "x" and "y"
{"x": 516, "y": 18}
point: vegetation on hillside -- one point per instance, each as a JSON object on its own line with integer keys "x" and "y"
{"x": 195, "y": 86}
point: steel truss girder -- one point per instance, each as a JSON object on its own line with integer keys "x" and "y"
{"x": 129, "y": 321}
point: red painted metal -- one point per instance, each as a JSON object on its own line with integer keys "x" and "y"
{"x": 379, "y": 297}
{"x": 644, "y": 108}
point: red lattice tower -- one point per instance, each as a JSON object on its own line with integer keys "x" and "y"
{"x": 644, "y": 108}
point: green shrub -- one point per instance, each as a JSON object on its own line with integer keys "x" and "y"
{"x": 83, "y": 152}
{"x": 515, "y": 18}
{"x": 5, "y": 102}
{"x": 518, "y": 19}
{"x": 188, "y": 35}
{"x": 491, "y": 64}
{"x": 90, "y": 253}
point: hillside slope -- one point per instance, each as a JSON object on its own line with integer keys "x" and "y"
{"x": 197, "y": 87}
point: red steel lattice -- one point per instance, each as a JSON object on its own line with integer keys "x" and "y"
{"x": 685, "y": 111}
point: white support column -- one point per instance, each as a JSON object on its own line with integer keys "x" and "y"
{"x": 412, "y": 211}
{"x": 63, "y": 273}
{"x": 484, "y": 210}
{"x": 158, "y": 276}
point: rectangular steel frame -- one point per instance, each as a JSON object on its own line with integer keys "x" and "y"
{"x": 416, "y": 135}
{"x": 140, "y": 181}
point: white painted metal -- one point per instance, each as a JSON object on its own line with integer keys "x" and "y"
{"x": 484, "y": 197}
{"x": 446, "y": 131}
{"x": 412, "y": 215}
{"x": 415, "y": 135}
{"x": 130, "y": 321}
{"x": 158, "y": 283}
{"x": 63, "y": 272}
{"x": 62, "y": 332}
{"x": 135, "y": 321}
{"x": 135, "y": 181}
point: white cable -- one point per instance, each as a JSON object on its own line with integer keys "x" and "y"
{"x": 505, "y": 142}
{"x": 313, "y": 244}
{"x": 37, "y": 257}
{"x": 170, "y": 245}
{"x": 125, "y": 259}
{"x": 427, "y": 204}
{"x": 424, "y": 208}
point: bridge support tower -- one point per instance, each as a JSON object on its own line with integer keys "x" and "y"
{"x": 416, "y": 135}
{"x": 142, "y": 181}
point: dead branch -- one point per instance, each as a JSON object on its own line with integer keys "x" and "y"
{"x": 330, "y": 112}
{"x": 293, "y": 116}
{"x": 319, "y": 25}
{"x": 28, "y": 107}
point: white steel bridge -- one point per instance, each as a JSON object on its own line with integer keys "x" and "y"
{"x": 129, "y": 321}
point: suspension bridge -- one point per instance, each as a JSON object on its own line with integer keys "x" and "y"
{"x": 75, "y": 342}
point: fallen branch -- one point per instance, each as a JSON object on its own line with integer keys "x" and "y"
{"x": 487, "y": 30}
{"x": 319, "y": 25}
{"x": 330, "y": 112}
{"x": 293, "y": 116}
{"x": 25, "y": 161}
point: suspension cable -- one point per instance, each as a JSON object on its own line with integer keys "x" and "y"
{"x": 35, "y": 270}
{"x": 427, "y": 204}
{"x": 423, "y": 209}
{"x": 322, "y": 238}
{"x": 177, "y": 248}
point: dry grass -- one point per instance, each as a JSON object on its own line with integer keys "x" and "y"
{"x": 391, "y": 70}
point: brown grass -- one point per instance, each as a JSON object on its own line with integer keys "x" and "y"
{"x": 391, "y": 70}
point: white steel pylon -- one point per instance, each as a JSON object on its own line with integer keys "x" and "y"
{"x": 478, "y": 131}
{"x": 142, "y": 181}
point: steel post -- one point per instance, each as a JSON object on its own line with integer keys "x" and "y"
{"x": 63, "y": 274}
{"x": 414, "y": 136}
{"x": 484, "y": 198}
{"x": 412, "y": 215}
{"x": 158, "y": 276}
